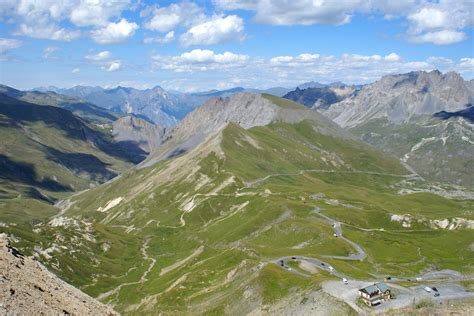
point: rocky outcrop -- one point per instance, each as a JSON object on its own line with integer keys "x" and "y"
{"x": 245, "y": 109}
{"x": 28, "y": 288}
{"x": 400, "y": 98}
{"x": 130, "y": 128}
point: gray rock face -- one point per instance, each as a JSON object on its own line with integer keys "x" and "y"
{"x": 28, "y": 288}
{"x": 245, "y": 109}
{"x": 399, "y": 98}
{"x": 130, "y": 128}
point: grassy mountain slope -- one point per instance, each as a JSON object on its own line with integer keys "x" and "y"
{"x": 47, "y": 152}
{"x": 439, "y": 150}
{"x": 199, "y": 233}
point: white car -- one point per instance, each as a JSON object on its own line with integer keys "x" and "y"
{"x": 331, "y": 268}
{"x": 345, "y": 281}
{"x": 427, "y": 289}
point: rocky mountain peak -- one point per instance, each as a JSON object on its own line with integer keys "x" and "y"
{"x": 245, "y": 109}
{"x": 402, "y": 97}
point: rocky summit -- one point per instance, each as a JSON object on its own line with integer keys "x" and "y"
{"x": 28, "y": 288}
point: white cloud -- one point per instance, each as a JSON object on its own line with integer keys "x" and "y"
{"x": 105, "y": 60}
{"x": 301, "y": 12}
{"x": 7, "y": 44}
{"x": 168, "y": 38}
{"x": 444, "y": 37}
{"x": 47, "y": 31}
{"x": 217, "y": 30}
{"x": 101, "y": 56}
{"x": 45, "y": 19}
{"x": 291, "y": 70}
{"x": 75, "y": 70}
{"x": 440, "y": 22}
{"x": 114, "y": 32}
{"x": 114, "y": 66}
{"x": 392, "y": 57}
{"x": 167, "y": 18}
{"x": 96, "y": 12}
{"x": 200, "y": 60}
{"x": 48, "y": 51}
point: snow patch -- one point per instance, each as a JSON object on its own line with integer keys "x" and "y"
{"x": 110, "y": 204}
{"x": 405, "y": 220}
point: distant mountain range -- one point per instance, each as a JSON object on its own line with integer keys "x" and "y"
{"x": 79, "y": 107}
{"x": 162, "y": 107}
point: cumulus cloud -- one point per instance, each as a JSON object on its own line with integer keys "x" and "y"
{"x": 392, "y": 57}
{"x": 45, "y": 19}
{"x": 444, "y": 37}
{"x": 439, "y": 22}
{"x": 114, "y": 32}
{"x": 101, "y": 56}
{"x": 96, "y": 12}
{"x": 165, "y": 19}
{"x": 168, "y": 38}
{"x": 105, "y": 60}
{"x": 301, "y": 12}
{"x": 47, "y": 31}
{"x": 114, "y": 66}
{"x": 200, "y": 60}
{"x": 292, "y": 70}
{"x": 218, "y": 30}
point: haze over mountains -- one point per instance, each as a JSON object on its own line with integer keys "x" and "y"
{"x": 163, "y": 107}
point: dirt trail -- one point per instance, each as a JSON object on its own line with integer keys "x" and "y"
{"x": 178, "y": 264}
{"x": 143, "y": 278}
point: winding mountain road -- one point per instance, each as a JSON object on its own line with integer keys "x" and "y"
{"x": 359, "y": 256}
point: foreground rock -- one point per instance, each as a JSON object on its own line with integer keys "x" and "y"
{"x": 27, "y": 288}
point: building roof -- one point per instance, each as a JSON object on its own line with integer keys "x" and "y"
{"x": 382, "y": 287}
{"x": 373, "y": 289}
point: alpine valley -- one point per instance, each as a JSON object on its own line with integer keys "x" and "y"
{"x": 239, "y": 201}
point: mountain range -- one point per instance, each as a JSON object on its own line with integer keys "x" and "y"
{"x": 162, "y": 107}
{"x": 421, "y": 117}
{"x": 249, "y": 203}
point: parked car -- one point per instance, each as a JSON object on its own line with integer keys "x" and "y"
{"x": 434, "y": 289}
{"x": 427, "y": 289}
{"x": 345, "y": 281}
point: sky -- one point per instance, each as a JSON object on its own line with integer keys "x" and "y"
{"x": 202, "y": 45}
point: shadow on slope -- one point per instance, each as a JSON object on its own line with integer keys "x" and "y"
{"x": 467, "y": 113}
{"x": 25, "y": 173}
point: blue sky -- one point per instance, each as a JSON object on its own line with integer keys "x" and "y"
{"x": 201, "y": 45}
